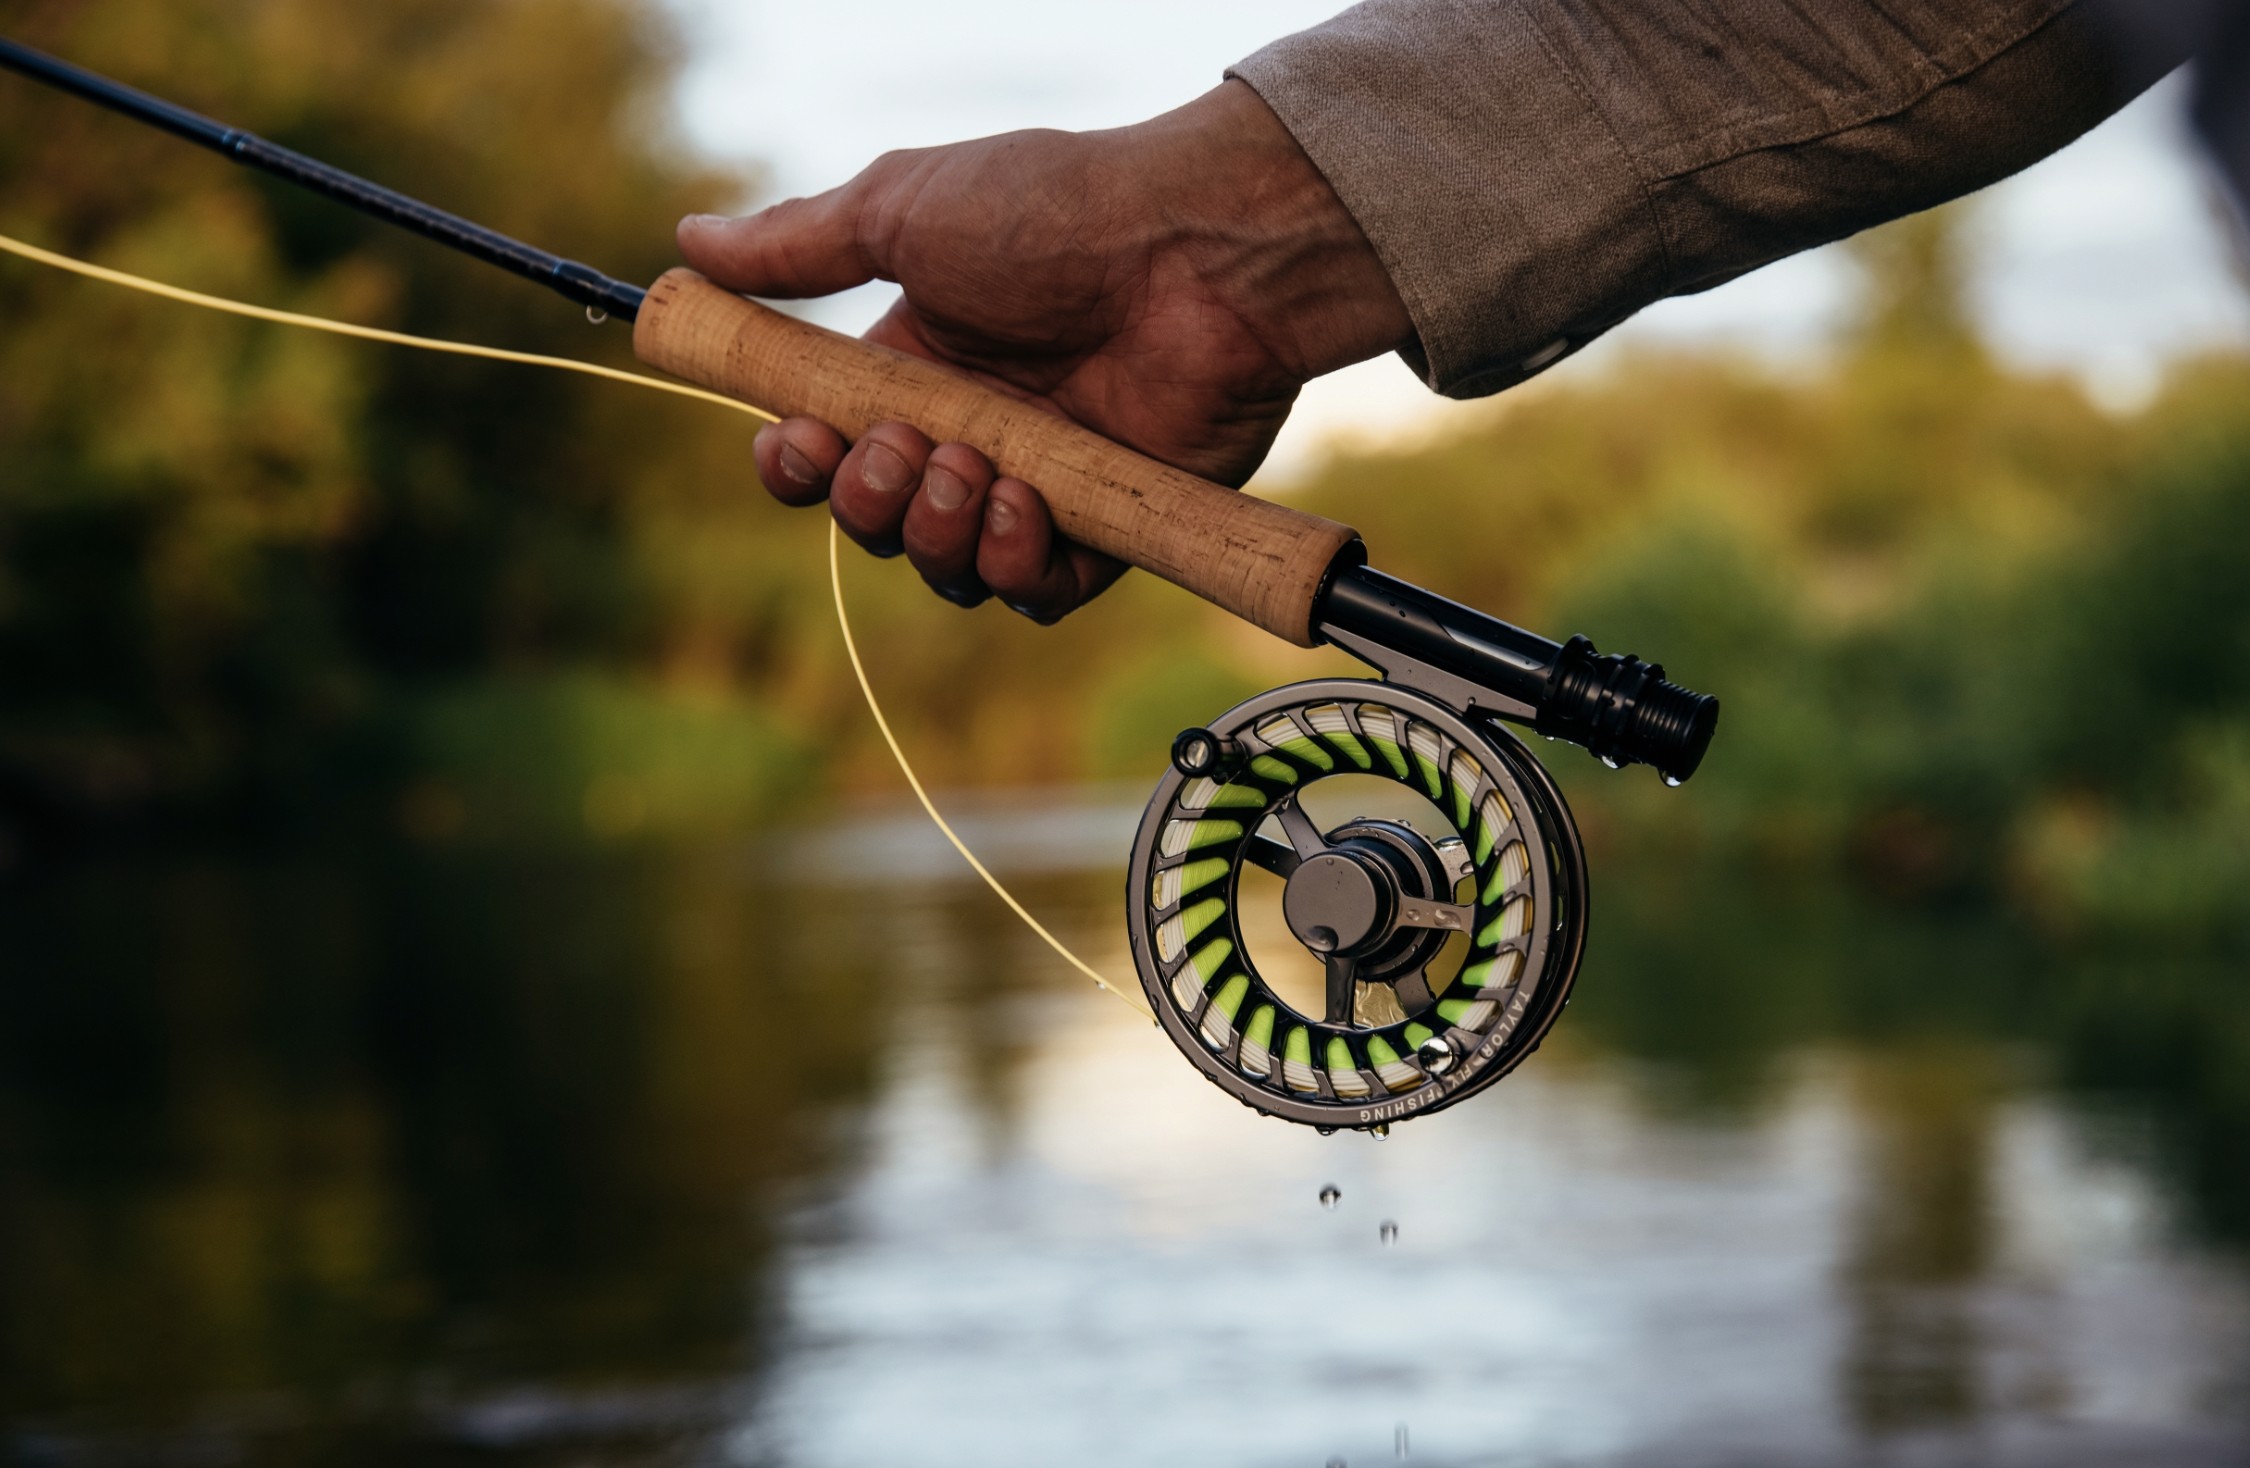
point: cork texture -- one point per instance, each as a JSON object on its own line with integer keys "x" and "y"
{"x": 1262, "y": 561}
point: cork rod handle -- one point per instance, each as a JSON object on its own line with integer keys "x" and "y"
{"x": 1264, "y": 562}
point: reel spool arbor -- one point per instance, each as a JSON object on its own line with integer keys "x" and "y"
{"x": 1447, "y": 939}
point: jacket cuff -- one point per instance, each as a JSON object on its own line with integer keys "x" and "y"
{"x": 1504, "y": 281}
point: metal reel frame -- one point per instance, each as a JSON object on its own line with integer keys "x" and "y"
{"x": 1392, "y": 1074}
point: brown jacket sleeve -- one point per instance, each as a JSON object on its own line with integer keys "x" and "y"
{"x": 1532, "y": 172}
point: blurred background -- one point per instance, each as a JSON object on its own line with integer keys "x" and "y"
{"x": 469, "y": 988}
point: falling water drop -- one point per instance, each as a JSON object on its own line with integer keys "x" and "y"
{"x": 1380, "y": 1130}
{"x": 1337, "y": 1463}
{"x": 1398, "y": 1440}
{"x": 1330, "y": 1196}
{"x": 1674, "y": 781}
{"x": 1389, "y": 1232}
{"x": 596, "y": 315}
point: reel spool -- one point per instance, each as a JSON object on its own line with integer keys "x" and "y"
{"x": 1447, "y": 939}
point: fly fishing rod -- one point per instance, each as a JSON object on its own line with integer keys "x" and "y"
{"x": 1435, "y": 927}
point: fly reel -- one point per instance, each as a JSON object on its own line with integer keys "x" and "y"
{"x": 1440, "y": 891}
{"x": 1446, "y": 939}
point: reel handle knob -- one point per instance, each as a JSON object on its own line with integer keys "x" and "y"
{"x": 1262, "y": 561}
{"x": 1200, "y": 754}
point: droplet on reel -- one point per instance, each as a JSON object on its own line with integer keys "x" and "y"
{"x": 1673, "y": 782}
{"x": 1436, "y": 1055}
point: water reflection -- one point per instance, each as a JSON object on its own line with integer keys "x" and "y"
{"x": 808, "y": 1156}
{"x": 296, "y": 1150}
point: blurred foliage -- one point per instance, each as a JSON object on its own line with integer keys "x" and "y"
{"x": 1974, "y": 635}
{"x": 382, "y": 1160}
{"x": 2059, "y": 716}
{"x": 231, "y": 556}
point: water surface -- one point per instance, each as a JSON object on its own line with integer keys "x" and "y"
{"x": 804, "y": 1153}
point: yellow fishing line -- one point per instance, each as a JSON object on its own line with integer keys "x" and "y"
{"x": 851, "y": 646}
{"x": 612, "y": 374}
{"x": 365, "y": 333}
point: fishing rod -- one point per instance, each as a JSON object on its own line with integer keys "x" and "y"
{"x": 1407, "y": 1017}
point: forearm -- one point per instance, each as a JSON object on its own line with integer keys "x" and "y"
{"x": 1533, "y": 172}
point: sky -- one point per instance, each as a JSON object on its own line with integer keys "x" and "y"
{"x": 2106, "y": 261}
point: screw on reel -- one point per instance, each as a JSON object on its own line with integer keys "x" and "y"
{"x": 1446, "y": 940}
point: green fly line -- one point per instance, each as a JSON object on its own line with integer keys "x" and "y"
{"x": 637, "y": 379}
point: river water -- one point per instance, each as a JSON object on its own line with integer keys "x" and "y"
{"x": 802, "y": 1152}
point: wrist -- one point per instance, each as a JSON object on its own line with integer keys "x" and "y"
{"x": 1244, "y": 208}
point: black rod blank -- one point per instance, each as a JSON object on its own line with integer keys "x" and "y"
{"x": 581, "y": 283}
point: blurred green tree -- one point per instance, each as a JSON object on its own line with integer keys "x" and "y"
{"x": 1915, "y": 290}
{"x": 234, "y": 559}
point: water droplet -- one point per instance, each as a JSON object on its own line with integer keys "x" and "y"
{"x": 1674, "y": 781}
{"x": 1326, "y": 1131}
{"x": 1380, "y": 1130}
{"x": 1436, "y": 1055}
{"x": 1330, "y": 1196}
{"x": 1388, "y": 1232}
{"x": 1338, "y": 1463}
{"x": 1613, "y": 762}
{"x": 1398, "y": 1440}
{"x": 596, "y": 315}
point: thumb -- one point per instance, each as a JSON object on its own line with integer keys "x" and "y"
{"x": 800, "y": 247}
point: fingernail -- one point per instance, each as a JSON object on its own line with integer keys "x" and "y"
{"x": 797, "y": 468}
{"x": 706, "y": 221}
{"x": 944, "y": 489}
{"x": 963, "y": 596}
{"x": 1036, "y": 615}
{"x": 884, "y": 470}
{"x": 999, "y": 516}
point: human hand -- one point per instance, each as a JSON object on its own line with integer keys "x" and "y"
{"x": 1169, "y": 285}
